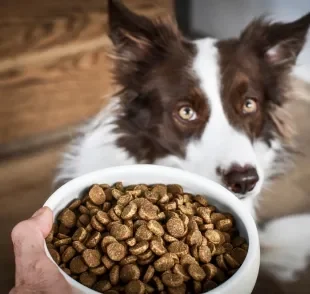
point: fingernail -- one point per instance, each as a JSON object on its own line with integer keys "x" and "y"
{"x": 39, "y": 212}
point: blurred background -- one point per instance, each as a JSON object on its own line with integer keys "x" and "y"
{"x": 54, "y": 75}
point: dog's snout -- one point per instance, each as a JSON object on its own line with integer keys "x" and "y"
{"x": 241, "y": 180}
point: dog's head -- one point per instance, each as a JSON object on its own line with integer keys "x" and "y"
{"x": 211, "y": 107}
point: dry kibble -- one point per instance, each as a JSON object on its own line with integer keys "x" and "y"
{"x": 114, "y": 275}
{"x": 77, "y": 265}
{"x": 68, "y": 254}
{"x": 79, "y": 235}
{"x": 55, "y": 255}
{"x": 146, "y": 239}
{"x": 149, "y": 274}
{"x": 99, "y": 271}
{"x": 164, "y": 263}
{"x": 68, "y": 218}
{"x": 93, "y": 240}
{"x": 78, "y": 246}
{"x": 143, "y": 234}
{"x": 120, "y": 232}
{"x": 172, "y": 280}
{"x": 88, "y": 279}
{"x": 91, "y": 257}
{"x": 129, "y": 272}
{"x": 129, "y": 211}
{"x": 116, "y": 251}
{"x": 175, "y": 227}
{"x": 179, "y": 248}
{"x": 158, "y": 247}
{"x": 139, "y": 248}
{"x": 156, "y": 228}
{"x": 196, "y": 272}
{"x": 135, "y": 287}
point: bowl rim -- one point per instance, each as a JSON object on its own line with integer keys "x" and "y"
{"x": 237, "y": 206}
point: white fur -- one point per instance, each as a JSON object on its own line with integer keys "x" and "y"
{"x": 285, "y": 246}
{"x": 221, "y": 145}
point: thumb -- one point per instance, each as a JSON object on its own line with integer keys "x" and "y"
{"x": 28, "y": 239}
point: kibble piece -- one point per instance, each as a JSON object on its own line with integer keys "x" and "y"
{"x": 208, "y": 286}
{"x": 180, "y": 270}
{"x": 139, "y": 248}
{"x": 91, "y": 257}
{"x": 158, "y": 247}
{"x": 205, "y": 214}
{"x": 128, "y": 259}
{"x": 220, "y": 261}
{"x": 68, "y": 218}
{"x": 96, "y": 224}
{"x": 164, "y": 263}
{"x": 201, "y": 200}
{"x": 62, "y": 242}
{"x": 129, "y": 272}
{"x": 168, "y": 238}
{"x": 79, "y": 235}
{"x": 175, "y": 227}
{"x": 174, "y": 189}
{"x": 131, "y": 242}
{"x": 90, "y": 205}
{"x": 187, "y": 260}
{"x": 103, "y": 286}
{"x": 103, "y": 217}
{"x": 106, "y": 241}
{"x": 84, "y": 219}
{"x": 155, "y": 227}
{"x": 129, "y": 211}
{"x": 88, "y": 279}
{"x": 159, "y": 284}
{"x": 77, "y": 265}
{"x": 197, "y": 286}
{"x": 148, "y": 211}
{"x": 224, "y": 225}
{"x": 55, "y": 255}
{"x": 196, "y": 272}
{"x": 143, "y": 234}
{"x": 116, "y": 251}
{"x": 75, "y": 204}
{"x": 99, "y": 271}
{"x": 68, "y": 254}
{"x": 114, "y": 275}
{"x": 120, "y": 232}
{"x": 234, "y": 264}
{"x": 97, "y": 195}
{"x": 78, "y": 246}
{"x": 172, "y": 279}
{"x": 194, "y": 237}
{"x": 179, "y": 248}
{"x": 210, "y": 270}
{"x": 239, "y": 255}
{"x": 135, "y": 287}
{"x": 83, "y": 209}
{"x": 238, "y": 241}
{"x": 93, "y": 240}
{"x": 205, "y": 254}
{"x": 107, "y": 262}
{"x": 215, "y": 236}
{"x": 216, "y": 216}
{"x": 149, "y": 274}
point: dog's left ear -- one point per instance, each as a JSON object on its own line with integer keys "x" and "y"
{"x": 278, "y": 43}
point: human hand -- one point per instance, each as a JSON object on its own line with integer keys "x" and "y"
{"x": 35, "y": 272}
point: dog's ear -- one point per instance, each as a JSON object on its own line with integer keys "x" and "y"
{"x": 278, "y": 43}
{"x": 139, "y": 43}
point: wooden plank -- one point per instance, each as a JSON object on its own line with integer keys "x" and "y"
{"x": 25, "y": 184}
{"x": 53, "y": 69}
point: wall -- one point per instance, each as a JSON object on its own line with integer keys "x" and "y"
{"x": 225, "y": 18}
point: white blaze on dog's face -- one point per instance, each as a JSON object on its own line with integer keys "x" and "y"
{"x": 210, "y": 107}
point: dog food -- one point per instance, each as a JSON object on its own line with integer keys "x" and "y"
{"x": 146, "y": 239}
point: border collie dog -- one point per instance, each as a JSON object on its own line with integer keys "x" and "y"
{"x": 212, "y": 107}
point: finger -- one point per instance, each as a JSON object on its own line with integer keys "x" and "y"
{"x": 28, "y": 241}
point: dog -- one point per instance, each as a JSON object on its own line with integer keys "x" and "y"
{"x": 212, "y": 107}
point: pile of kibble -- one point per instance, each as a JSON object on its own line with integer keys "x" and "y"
{"x": 146, "y": 239}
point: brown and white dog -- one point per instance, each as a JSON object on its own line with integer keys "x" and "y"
{"x": 212, "y": 107}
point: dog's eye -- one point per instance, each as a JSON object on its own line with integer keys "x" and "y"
{"x": 187, "y": 113}
{"x": 249, "y": 106}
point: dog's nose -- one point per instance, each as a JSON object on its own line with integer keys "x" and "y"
{"x": 240, "y": 179}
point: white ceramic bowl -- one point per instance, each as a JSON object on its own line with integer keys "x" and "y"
{"x": 242, "y": 282}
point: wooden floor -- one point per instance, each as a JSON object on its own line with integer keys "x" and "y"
{"x": 54, "y": 73}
